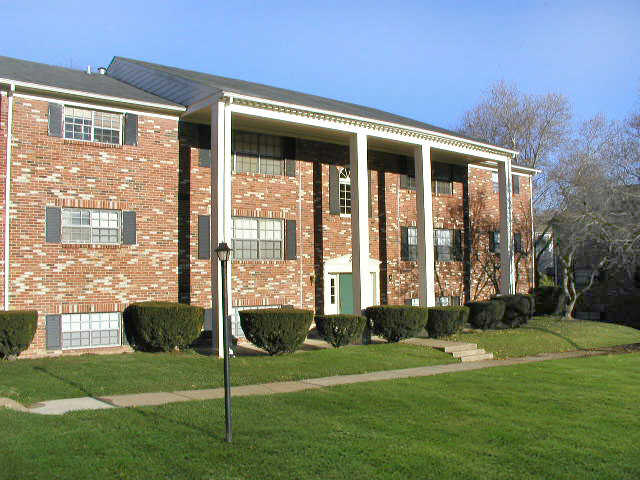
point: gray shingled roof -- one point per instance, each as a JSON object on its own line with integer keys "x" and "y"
{"x": 60, "y": 77}
{"x": 128, "y": 70}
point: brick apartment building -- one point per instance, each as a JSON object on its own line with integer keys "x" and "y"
{"x": 116, "y": 185}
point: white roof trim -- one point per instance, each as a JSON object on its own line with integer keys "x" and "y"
{"x": 248, "y": 98}
{"x": 97, "y": 96}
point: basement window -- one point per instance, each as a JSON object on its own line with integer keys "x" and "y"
{"x": 88, "y": 330}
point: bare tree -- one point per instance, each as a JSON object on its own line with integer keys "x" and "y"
{"x": 596, "y": 224}
{"x": 537, "y": 126}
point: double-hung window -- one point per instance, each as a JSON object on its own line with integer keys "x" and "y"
{"x": 495, "y": 182}
{"x": 92, "y": 125}
{"x": 412, "y": 243}
{"x": 257, "y": 238}
{"x": 445, "y": 244}
{"x": 84, "y": 225}
{"x": 345, "y": 191}
{"x": 257, "y": 153}
{"x": 442, "y": 182}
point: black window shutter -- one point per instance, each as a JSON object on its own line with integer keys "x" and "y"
{"x": 208, "y": 319}
{"x": 515, "y": 180}
{"x": 457, "y": 244}
{"x": 54, "y": 332}
{"x": 492, "y": 243}
{"x": 289, "y": 146}
{"x": 404, "y": 243}
{"x": 204, "y": 237}
{"x": 290, "y": 239}
{"x": 131, "y": 129}
{"x": 53, "y": 223}
{"x": 435, "y": 245}
{"x": 334, "y": 191}
{"x": 128, "y": 228}
{"x": 204, "y": 157}
{"x": 55, "y": 120}
{"x": 370, "y": 194}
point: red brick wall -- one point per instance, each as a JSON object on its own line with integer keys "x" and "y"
{"x": 55, "y": 278}
{"x": 50, "y": 171}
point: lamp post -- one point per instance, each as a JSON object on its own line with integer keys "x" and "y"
{"x": 224, "y": 252}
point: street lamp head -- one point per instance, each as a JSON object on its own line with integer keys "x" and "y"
{"x": 223, "y": 251}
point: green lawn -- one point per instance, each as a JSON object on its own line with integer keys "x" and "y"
{"x": 30, "y": 381}
{"x": 563, "y": 419}
{"x": 551, "y": 334}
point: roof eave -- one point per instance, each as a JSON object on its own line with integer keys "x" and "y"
{"x": 30, "y": 86}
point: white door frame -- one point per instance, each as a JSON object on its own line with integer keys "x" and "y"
{"x": 333, "y": 267}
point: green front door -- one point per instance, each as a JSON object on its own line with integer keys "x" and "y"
{"x": 346, "y": 293}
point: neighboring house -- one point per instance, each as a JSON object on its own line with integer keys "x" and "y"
{"x": 328, "y": 205}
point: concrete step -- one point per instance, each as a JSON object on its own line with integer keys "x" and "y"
{"x": 467, "y": 353}
{"x": 460, "y": 347}
{"x": 477, "y": 358}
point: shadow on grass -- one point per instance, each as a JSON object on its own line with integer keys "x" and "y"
{"x": 82, "y": 388}
{"x": 556, "y": 334}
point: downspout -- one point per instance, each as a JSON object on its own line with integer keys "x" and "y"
{"x": 7, "y": 194}
{"x": 533, "y": 236}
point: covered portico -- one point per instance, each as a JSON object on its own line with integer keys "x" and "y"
{"x": 360, "y": 134}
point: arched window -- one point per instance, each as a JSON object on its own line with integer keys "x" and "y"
{"x": 345, "y": 191}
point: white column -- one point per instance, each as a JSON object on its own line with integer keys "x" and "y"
{"x": 507, "y": 283}
{"x": 426, "y": 264}
{"x": 362, "y": 288}
{"x": 220, "y": 207}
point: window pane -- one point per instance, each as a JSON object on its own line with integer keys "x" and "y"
{"x": 246, "y": 163}
{"x": 77, "y": 123}
{"x": 412, "y": 236}
{"x": 245, "y": 143}
{"x": 270, "y": 146}
{"x": 271, "y": 166}
{"x": 245, "y": 228}
{"x": 270, "y": 230}
{"x": 245, "y": 249}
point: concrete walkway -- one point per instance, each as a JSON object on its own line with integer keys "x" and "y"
{"x": 59, "y": 407}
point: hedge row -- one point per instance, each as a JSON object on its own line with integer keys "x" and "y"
{"x": 17, "y": 328}
{"x": 501, "y": 312}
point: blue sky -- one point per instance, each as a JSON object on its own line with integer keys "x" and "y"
{"x": 427, "y": 60}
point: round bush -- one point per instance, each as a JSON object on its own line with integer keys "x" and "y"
{"x": 162, "y": 326}
{"x": 17, "y": 328}
{"x": 549, "y": 300}
{"x": 395, "y": 322}
{"x": 276, "y": 330}
{"x": 445, "y": 321}
{"x": 486, "y": 315}
{"x": 340, "y": 330}
{"x": 518, "y": 309}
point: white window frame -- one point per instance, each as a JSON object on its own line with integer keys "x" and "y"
{"x": 412, "y": 242}
{"x": 448, "y": 301}
{"x": 344, "y": 186}
{"x": 259, "y": 240}
{"x": 90, "y": 226}
{"x": 495, "y": 182}
{"x": 93, "y": 124}
{"x": 451, "y": 246}
{"x": 68, "y": 320}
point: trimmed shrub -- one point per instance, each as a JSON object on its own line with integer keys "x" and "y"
{"x": 549, "y": 300}
{"x": 518, "y": 309}
{"x": 162, "y": 326}
{"x": 17, "y": 328}
{"x": 486, "y": 315}
{"x": 395, "y": 322}
{"x": 445, "y": 321}
{"x": 340, "y": 330}
{"x": 276, "y": 330}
